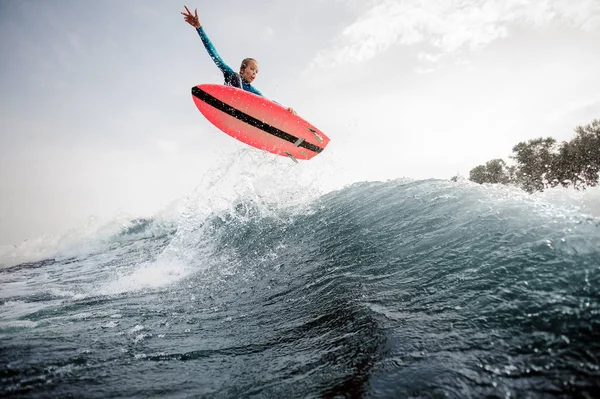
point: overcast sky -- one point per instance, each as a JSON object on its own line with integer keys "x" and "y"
{"x": 97, "y": 117}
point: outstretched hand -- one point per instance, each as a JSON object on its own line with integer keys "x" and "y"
{"x": 190, "y": 18}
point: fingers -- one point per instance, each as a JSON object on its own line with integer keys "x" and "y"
{"x": 190, "y": 18}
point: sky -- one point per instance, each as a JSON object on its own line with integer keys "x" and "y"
{"x": 97, "y": 118}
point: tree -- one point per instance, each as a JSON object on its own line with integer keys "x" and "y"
{"x": 534, "y": 160}
{"x": 541, "y": 163}
{"x": 478, "y": 174}
{"x": 578, "y": 161}
{"x": 497, "y": 171}
{"x": 494, "y": 171}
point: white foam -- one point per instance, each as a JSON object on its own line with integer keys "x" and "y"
{"x": 586, "y": 202}
{"x": 32, "y": 250}
{"x": 17, "y": 324}
{"x": 82, "y": 239}
{"x": 59, "y": 293}
{"x": 554, "y": 202}
{"x": 89, "y": 237}
{"x": 141, "y": 337}
{"x": 147, "y": 276}
{"x": 14, "y": 310}
{"x": 137, "y": 328}
{"x": 246, "y": 175}
{"x": 110, "y": 324}
{"x": 12, "y": 288}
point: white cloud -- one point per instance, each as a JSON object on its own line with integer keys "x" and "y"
{"x": 448, "y": 25}
{"x": 426, "y": 57}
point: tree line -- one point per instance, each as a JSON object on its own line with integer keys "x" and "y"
{"x": 543, "y": 163}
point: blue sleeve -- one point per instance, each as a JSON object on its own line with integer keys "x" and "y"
{"x": 251, "y": 89}
{"x": 255, "y": 91}
{"x": 227, "y": 71}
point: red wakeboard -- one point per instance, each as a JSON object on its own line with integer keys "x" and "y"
{"x": 259, "y": 122}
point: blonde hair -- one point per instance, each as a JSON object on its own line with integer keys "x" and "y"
{"x": 245, "y": 63}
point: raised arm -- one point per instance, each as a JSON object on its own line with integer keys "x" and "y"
{"x": 213, "y": 53}
{"x": 193, "y": 20}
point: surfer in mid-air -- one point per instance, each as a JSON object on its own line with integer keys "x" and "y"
{"x": 248, "y": 69}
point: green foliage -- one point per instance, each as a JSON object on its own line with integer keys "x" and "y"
{"x": 534, "y": 161}
{"x": 494, "y": 171}
{"x": 579, "y": 159}
{"x": 541, "y": 163}
{"x": 478, "y": 174}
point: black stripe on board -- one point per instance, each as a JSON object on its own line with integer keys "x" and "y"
{"x": 236, "y": 113}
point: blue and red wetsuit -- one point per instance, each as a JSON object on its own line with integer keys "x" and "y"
{"x": 232, "y": 78}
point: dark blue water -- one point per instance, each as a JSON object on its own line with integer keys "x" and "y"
{"x": 384, "y": 290}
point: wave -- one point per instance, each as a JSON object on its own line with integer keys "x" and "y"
{"x": 377, "y": 287}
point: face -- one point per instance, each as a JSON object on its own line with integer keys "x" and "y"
{"x": 249, "y": 73}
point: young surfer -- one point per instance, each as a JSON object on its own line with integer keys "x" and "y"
{"x": 248, "y": 69}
